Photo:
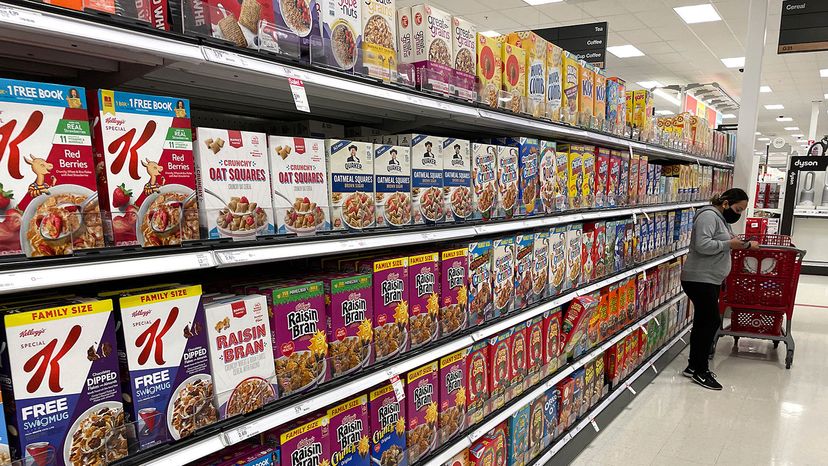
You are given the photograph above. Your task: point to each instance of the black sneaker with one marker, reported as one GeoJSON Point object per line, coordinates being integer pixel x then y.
{"type": "Point", "coordinates": [688, 372]}
{"type": "Point", "coordinates": [707, 380]}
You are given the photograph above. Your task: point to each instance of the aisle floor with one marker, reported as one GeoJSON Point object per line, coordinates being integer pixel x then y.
{"type": "Point", "coordinates": [764, 415]}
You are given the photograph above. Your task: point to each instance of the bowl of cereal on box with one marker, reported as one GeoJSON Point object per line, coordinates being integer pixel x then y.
{"type": "Point", "coordinates": [299, 371]}
{"type": "Point", "coordinates": [343, 44]}
{"type": "Point", "coordinates": [348, 355]}
{"type": "Point", "coordinates": [98, 436]}
{"type": "Point", "coordinates": [397, 209]}
{"type": "Point", "coordinates": [172, 209]}
{"type": "Point", "coordinates": [240, 218]}
{"type": "Point", "coordinates": [191, 407]}
{"type": "Point", "coordinates": [54, 223]}
{"type": "Point", "coordinates": [297, 15]}
{"type": "Point", "coordinates": [431, 204]}
{"type": "Point", "coordinates": [358, 210]}
{"type": "Point", "coordinates": [304, 217]}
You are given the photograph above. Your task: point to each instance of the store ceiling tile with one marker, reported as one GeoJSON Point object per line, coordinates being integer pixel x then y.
{"type": "Point", "coordinates": [640, 36]}
{"type": "Point", "coordinates": [653, 48]}
{"type": "Point", "coordinates": [493, 20]}
{"type": "Point", "coordinates": [529, 17]}
{"type": "Point", "coordinates": [565, 13]}
{"type": "Point", "coordinates": [625, 22]}
{"type": "Point", "coordinates": [603, 8]}
{"type": "Point", "coordinates": [670, 58]}
{"type": "Point", "coordinates": [499, 4]}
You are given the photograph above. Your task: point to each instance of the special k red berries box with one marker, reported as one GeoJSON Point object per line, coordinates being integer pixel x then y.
{"type": "Point", "coordinates": [47, 171]}
{"type": "Point", "coordinates": [145, 166]}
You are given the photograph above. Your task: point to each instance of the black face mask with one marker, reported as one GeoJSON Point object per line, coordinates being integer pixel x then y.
{"type": "Point", "coordinates": [730, 215]}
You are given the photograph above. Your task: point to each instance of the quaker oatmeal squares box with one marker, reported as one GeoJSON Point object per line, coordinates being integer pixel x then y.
{"type": "Point", "coordinates": [348, 432]}
{"type": "Point", "coordinates": [308, 444]}
{"type": "Point", "coordinates": [557, 261]}
{"type": "Point", "coordinates": [535, 48]}
{"type": "Point", "coordinates": [508, 180]}
{"type": "Point", "coordinates": [457, 179]}
{"type": "Point", "coordinates": [299, 183]}
{"type": "Point", "coordinates": [351, 181]}
{"type": "Point", "coordinates": [424, 297]}
{"type": "Point", "coordinates": [233, 183]}
{"type": "Point", "coordinates": [524, 249]}
{"type": "Point", "coordinates": [484, 181]}
{"type": "Point", "coordinates": [454, 291]}
{"type": "Point", "coordinates": [574, 235]}
{"type": "Point", "coordinates": [144, 150]}
{"type": "Point", "coordinates": [477, 382]}
{"type": "Point", "coordinates": [503, 275]}
{"type": "Point", "coordinates": [391, 308]}
{"type": "Point", "coordinates": [514, 78]}
{"type": "Point", "coordinates": [379, 39]}
{"type": "Point", "coordinates": [463, 39]}
{"type": "Point", "coordinates": [349, 299]}
{"type": "Point", "coordinates": [341, 39]}
{"type": "Point", "coordinates": [534, 351]}
{"type": "Point", "coordinates": [481, 305]}
{"type": "Point", "coordinates": [519, 353]}
{"type": "Point", "coordinates": [61, 372]}
{"type": "Point", "coordinates": [588, 186]}
{"type": "Point", "coordinates": [489, 69]}
{"type": "Point", "coordinates": [554, 85]}
{"type": "Point", "coordinates": [499, 361]}
{"type": "Point", "coordinates": [50, 162]}
{"type": "Point", "coordinates": [388, 421]}
{"type": "Point", "coordinates": [241, 354]}
{"type": "Point", "coordinates": [432, 48]}
{"type": "Point", "coordinates": [427, 178]}
{"type": "Point", "coordinates": [540, 267]}
{"type": "Point", "coordinates": [519, 437]}
{"type": "Point", "coordinates": [452, 381]}
{"type": "Point", "coordinates": [392, 178]}
{"type": "Point", "coordinates": [421, 405]}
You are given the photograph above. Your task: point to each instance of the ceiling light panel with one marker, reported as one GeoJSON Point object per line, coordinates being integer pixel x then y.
{"type": "Point", "coordinates": [765, 89]}
{"type": "Point", "coordinates": [625, 51]}
{"type": "Point", "coordinates": [728, 116]}
{"type": "Point", "coordinates": [824, 72]}
{"type": "Point", "coordinates": [490, 33]}
{"type": "Point", "coordinates": [735, 62]}
{"type": "Point", "coordinates": [693, 14]}
{"type": "Point", "coordinates": [649, 84]}
{"type": "Point", "coordinates": [792, 128]}
{"type": "Point", "coordinates": [541, 2]}
{"type": "Point", "coordinates": [775, 107]}
{"type": "Point", "coordinates": [763, 139]}
{"type": "Point", "coordinates": [784, 119]}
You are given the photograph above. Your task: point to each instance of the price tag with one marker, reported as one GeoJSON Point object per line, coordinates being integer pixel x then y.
{"type": "Point", "coordinates": [645, 215]}
{"type": "Point", "coordinates": [657, 322]}
{"type": "Point", "coordinates": [644, 329]}
{"type": "Point", "coordinates": [223, 57]}
{"type": "Point", "coordinates": [652, 366]}
{"type": "Point", "coordinates": [300, 97]}
{"type": "Point", "coordinates": [396, 383]}
{"type": "Point", "coordinates": [14, 15]}
{"type": "Point", "coordinates": [595, 425]}
{"type": "Point", "coordinates": [632, 390]}
{"type": "Point", "coordinates": [204, 259]}
{"type": "Point", "coordinates": [645, 274]}
{"type": "Point", "coordinates": [682, 340]}
{"type": "Point", "coordinates": [234, 436]}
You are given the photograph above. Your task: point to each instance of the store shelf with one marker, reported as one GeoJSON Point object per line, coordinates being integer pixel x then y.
{"type": "Point", "coordinates": [822, 212]}
{"type": "Point", "coordinates": [772, 211]}
{"type": "Point", "coordinates": [243, 81]}
{"type": "Point", "coordinates": [29, 275]}
{"type": "Point", "coordinates": [239, 429]}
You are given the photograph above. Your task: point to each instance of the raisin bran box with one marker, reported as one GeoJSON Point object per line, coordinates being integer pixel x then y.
{"type": "Point", "coordinates": [144, 150]}
{"type": "Point", "coordinates": [391, 308]}
{"type": "Point", "coordinates": [387, 417]}
{"type": "Point", "coordinates": [392, 185]}
{"type": "Point", "coordinates": [503, 276]}
{"type": "Point", "coordinates": [60, 370]}
{"type": "Point", "coordinates": [481, 304]}
{"type": "Point", "coordinates": [524, 258]}
{"type": "Point", "coordinates": [519, 436]}
{"type": "Point", "coordinates": [427, 179]}
{"type": "Point", "coordinates": [348, 433]}
{"type": "Point", "coordinates": [457, 179]}
{"type": "Point", "coordinates": [424, 297]}
{"type": "Point", "coordinates": [557, 260]}
{"type": "Point", "coordinates": [534, 351]}
{"type": "Point", "coordinates": [499, 363]}
{"type": "Point", "coordinates": [349, 299]}
{"type": "Point", "coordinates": [49, 162]}
{"type": "Point", "coordinates": [551, 340]}
{"type": "Point", "coordinates": [351, 183]}
{"type": "Point", "coordinates": [452, 380]}
{"type": "Point", "coordinates": [432, 48]}
{"type": "Point", "coordinates": [484, 181]}
{"type": "Point", "coordinates": [299, 179]}
{"type": "Point", "coordinates": [308, 444]}
{"type": "Point", "coordinates": [421, 405]}
{"type": "Point", "coordinates": [163, 348]}
{"type": "Point", "coordinates": [508, 180]}
{"type": "Point", "coordinates": [454, 291]}
{"type": "Point", "coordinates": [477, 382]}
{"type": "Point", "coordinates": [518, 368]}
{"type": "Point", "coordinates": [540, 267]}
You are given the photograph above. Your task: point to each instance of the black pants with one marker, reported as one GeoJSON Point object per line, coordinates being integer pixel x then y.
{"type": "Point", "coordinates": [706, 320]}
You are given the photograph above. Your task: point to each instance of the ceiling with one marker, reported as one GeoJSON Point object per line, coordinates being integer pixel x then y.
{"type": "Point", "coordinates": [675, 52]}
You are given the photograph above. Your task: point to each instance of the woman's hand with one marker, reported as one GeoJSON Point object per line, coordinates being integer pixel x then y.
{"type": "Point", "coordinates": [736, 243]}
{"type": "Point", "coordinates": [754, 245]}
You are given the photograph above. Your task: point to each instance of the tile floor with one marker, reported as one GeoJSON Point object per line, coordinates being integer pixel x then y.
{"type": "Point", "coordinates": [764, 415]}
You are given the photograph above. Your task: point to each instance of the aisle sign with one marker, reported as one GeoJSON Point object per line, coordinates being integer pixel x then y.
{"type": "Point", "coordinates": [587, 41]}
{"type": "Point", "coordinates": [802, 27]}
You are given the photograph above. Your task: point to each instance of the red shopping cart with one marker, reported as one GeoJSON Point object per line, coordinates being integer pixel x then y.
{"type": "Point", "coordinates": [760, 292]}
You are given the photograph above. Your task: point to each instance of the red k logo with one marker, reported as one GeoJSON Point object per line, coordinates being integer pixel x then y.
{"type": "Point", "coordinates": [6, 140]}
{"type": "Point", "coordinates": [123, 149]}
{"type": "Point", "coordinates": [152, 339]}
{"type": "Point", "coordinates": [47, 360]}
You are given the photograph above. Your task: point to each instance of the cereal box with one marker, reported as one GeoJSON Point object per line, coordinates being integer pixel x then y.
{"type": "Point", "coordinates": [427, 179]}
{"type": "Point", "coordinates": [351, 180]}
{"type": "Point", "coordinates": [341, 39]}
{"type": "Point", "coordinates": [639, 111]}
{"type": "Point", "coordinates": [5, 454]}
{"type": "Point", "coordinates": [50, 162]}
{"type": "Point", "coordinates": [587, 263]}
{"type": "Point", "coordinates": [524, 263]}
{"type": "Point", "coordinates": [518, 368]}
{"type": "Point", "coordinates": [503, 275]}
{"type": "Point", "coordinates": [519, 436]}
{"type": "Point", "coordinates": [599, 106]}
{"type": "Point", "coordinates": [535, 48]}
{"type": "Point", "coordinates": [432, 48]}
{"type": "Point", "coordinates": [557, 261]}
{"type": "Point", "coordinates": [241, 355]}
{"type": "Point", "coordinates": [421, 405]}
{"type": "Point", "coordinates": [575, 324]}
{"type": "Point", "coordinates": [392, 185]}
{"type": "Point", "coordinates": [484, 181]}
{"type": "Point", "coordinates": [614, 180]}
{"type": "Point", "coordinates": [298, 24]}
{"type": "Point", "coordinates": [575, 174]}
{"type": "Point", "coordinates": [144, 145]}
{"type": "Point", "coordinates": [588, 185]}
{"type": "Point", "coordinates": [349, 298]}
{"type": "Point", "coordinates": [308, 444]}
{"type": "Point", "coordinates": [550, 415]}
{"type": "Point", "coordinates": [233, 182]}
{"type": "Point", "coordinates": [463, 41]}
{"type": "Point", "coordinates": [405, 40]}
{"type": "Point", "coordinates": [391, 306]}
{"type": "Point", "coordinates": [565, 415]}
{"type": "Point", "coordinates": [514, 77]}
{"type": "Point", "coordinates": [460, 459]}
{"type": "Point", "coordinates": [424, 297]}
{"type": "Point", "coordinates": [570, 80]}
{"type": "Point", "coordinates": [599, 390]}
{"type": "Point", "coordinates": [599, 258]}
{"type": "Point", "coordinates": [379, 39]}
{"type": "Point", "coordinates": [297, 324]}
{"type": "Point", "coordinates": [589, 386]}
{"type": "Point", "coordinates": [643, 195]}
{"type": "Point", "coordinates": [577, 394]}
{"type": "Point", "coordinates": [536, 428]}
{"type": "Point", "coordinates": [573, 256]}
{"type": "Point", "coordinates": [482, 452]}
{"type": "Point", "coordinates": [540, 267]}
{"type": "Point", "coordinates": [348, 432]}
{"type": "Point", "coordinates": [628, 101]}
{"type": "Point", "coordinates": [387, 418]}
{"type": "Point", "coordinates": [171, 323]}
{"type": "Point", "coordinates": [477, 382]}
{"type": "Point", "coordinates": [546, 176]}
{"type": "Point", "coordinates": [528, 164]}
{"type": "Point", "coordinates": [489, 69]}
{"type": "Point", "coordinates": [613, 122]}
{"type": "Point", "coordinates": [534, 353]}
{"type": "Point", "coordinates": [299, 183]}
{"type": "Point", "coordinates": [602, 166]}
{"type": "Point", "coordinates": [238, 22]}
{"type": "Point", "coordinates": [499, 363]}
{"type": "Point", "coordinates": [457, 179]}
{"type": "Point", "coordinates": [624, 180]}
{"type": "Point", "coordinates": [586, 93]}
{"type": "Point", "coordinates": [452, 395]}
{"type": "Point", "coordinates": [632, 179]}
{"type": "Point", "coordinates": [481, 304]}
{"type": "Point", "coordinates": [554, 81]}
{"type": "Point", "coordinates": [454, 291]}
{"type": "Point", "coordinates": [500, 440]}
{"type": "Point", "coordinates": [508, 178]}
{"type": "Point", "coordinates": [60, 369]}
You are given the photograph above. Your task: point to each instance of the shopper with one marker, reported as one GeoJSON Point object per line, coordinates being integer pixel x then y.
{"type": "Point", "coordinates": [707, 266]}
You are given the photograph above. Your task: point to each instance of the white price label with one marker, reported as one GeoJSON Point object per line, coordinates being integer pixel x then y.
{"type": "Point", "coordinates": [632, 390]}
{"type": "Point", "coordinates": [595, 425]}
{"type": "Point", "coordinates": [644, 329]}
{"type": "Point", "coordinates": [301, 408]}
{"type": "Point", "coordinates": [656, 321]}
{"type": "Point", "coordinates": [396, 383]}
{"type": "Point", "coordinates": [300, 97]}
{"type": "Point", "coordinates": [652, 366]}
{"type": "Point", "coordinates": [14, 15]}
{"type": "Point", "coordinates": [682, 340]}
{"type": "Point", "coordinates": [204, 259]}
{"type": "Point", "coordinates": [238, 434]}
{"type": "Point", "coordinates": [223, 57]}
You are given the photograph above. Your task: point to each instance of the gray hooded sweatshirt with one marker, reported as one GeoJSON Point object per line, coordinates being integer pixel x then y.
{"type": "Point", "coordinates": [709, 258]}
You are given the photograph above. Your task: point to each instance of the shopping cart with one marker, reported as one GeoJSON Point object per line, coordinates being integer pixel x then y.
{"type": "Point", "coordinates": [760, 292]}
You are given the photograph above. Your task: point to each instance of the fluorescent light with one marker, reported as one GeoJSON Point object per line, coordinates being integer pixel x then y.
{"type": "Point", "coordinates": [798, 135]}
{"type": "Point", "coordinates": [825, 96]}
{"type": "Point", "coordinates": [784, 119]}
{"type": "Point", "coordinates": [775, 107]}
{"type": "Point", "coordinates": [792, 128]}
{"type": "Point", "coordinates": [763, 139]}
{"type": "Point", "coordinates": [664, 112]}
{"type": "Point", "coordinates": [727, 116]}
{"type": "Point", "coordinates": [765, 89]}
{"type": "Point", "coordinates": [704, 13]}
{"type": "Point", "coordinates": [735, 62]}
{"type": "Point", "coordinates": [758, 133]}
{"type": "Point", "coordinates": [667, 97]}
{"type": "Point", "coordinates": [824, 72]}
{"type": "Point", "coordinates": [649, 84]}
{"type": "Point", "coordinates": [625, 51]}
{"type": "Point", "coordinates": [541, 2]}
{"type": "Point", "coordinates": [490, 33]}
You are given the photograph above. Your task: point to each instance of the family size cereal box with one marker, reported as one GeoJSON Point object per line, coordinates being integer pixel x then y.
{"type": "Point", "coordinates": [514, 77]}
{"type": "Point", "coordinates": [145, 146]}
{"type": "Point", "coordinates": [477, 382]}
{"type": "Point", "coordinates": [463, 41]}
{"type": "Point", "coordinates": [588, 185]}
{"type": "Point", "coordinates": [341, 39]}
{"type": "Point", "coordinates": [557, 261]}
{"type": "Point", "coordinates": [392, 185]}
{"type": "Point", "coordinates": [298, 321]}
{"type": "Point", "coordinates": [233, 182]}
{"type": "Point", "coordinates": [524, 249]}
{"type": "Point", "coordinates": [519, 436]}
{"type": "Point", "coordinates": [421, 406]}
{"type": "Point", "coordinates": [503, 276]}
{"type": "Point", "coordinates": [554, 82]}
{"type": "Point", "coordinates": [424, 297]}
{"type": "Point", "coordinates": [574, 174]}
{"type": "Point", "coordinates": [351, 180]}
{"type": "Point", "coordinates": [586, 93]}
{"type": "Point", "coordinates": [61, 370]}
{"type": "Point", "coordinates": [427, 179]}
{"type": "Point", "coordinates": [534, 353]}
{"type": "Point", "coordinates": [241, 355]}
{"type": "Point", "coordinates": [484, 181]}
{"type": "Point", "coordinates": [573, 256]}
{"type": "Point", "coordinates": [457, 179]}
{"type": "Point", "coordinates": [570, 80]}
{"type": "Point", "coordinates": [550, 415]}
{"type": "Point", "coordinates": [379, 39]}
{"type": "Point", "coordinates": [432, 48]}
{"type": "Point", "coordinates": [546, 175]}
{"type": "Point", "coordinates": [50, 162]}
{"type": "Point", "coordinates": [299, 183]}
{"type": "Point", "coordinates": [452, 381]}
{"type": "Point", "coordinates": [528, 163]}
{"type": "Point", "coordinates": [391, 306]}
{"type": "Point", "coordinates": [454, 291]}
{"type": "Point", "coordinates": [536, 430]}
{"type": "Point", "coordinates": [602, 166]}
{"type": "Point", "coordinates": [489, 69]}
{"type": "Point", "coordinates": [307, 444]}
{"type": "Point", "coordinates": [614, 180]}
{"type": "Point", "coordinates": [348, 433]}
{"type": "Point", "coordinates": [387, 418]}
{"type": "Point", "coordinates": [499, 364]}
{"type": "Point", "coordinates": [518, 368]}
{"type": "Point", "coordinates": [350, 312]}
{"type": "Point", "coordinates": [163, 346]}
{"type": "Point", "coordinates": [599, 106]}
{"type": "Point", "coordinates": [535, 48]}
{"type": "Point", "coordinates": [540, 267]}
{"type": "Point", "coordinates": [481, 304]}
{"type": "Point", "coordinates": [508, 180]}
{"type": "Point", "coordinates": [500, 440]}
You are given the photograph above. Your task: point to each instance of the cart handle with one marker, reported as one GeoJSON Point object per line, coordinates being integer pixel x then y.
{"type": "Point", "coordinates": [801, 252]}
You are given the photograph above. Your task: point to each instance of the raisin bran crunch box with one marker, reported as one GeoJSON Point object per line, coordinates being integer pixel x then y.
{"type": "Point", "coordinates": [388, 422]}
{"type": "Point", "coordinates": [421, 406]}
{"type": "Point", "coordinates": [348, 433]}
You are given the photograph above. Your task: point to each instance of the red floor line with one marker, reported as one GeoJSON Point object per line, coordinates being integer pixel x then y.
{"type": "Point", "coordinates": [811, 305]}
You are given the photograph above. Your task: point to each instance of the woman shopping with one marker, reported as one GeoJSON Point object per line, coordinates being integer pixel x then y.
{"type": "Point", "coordinates": [704, 271]}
